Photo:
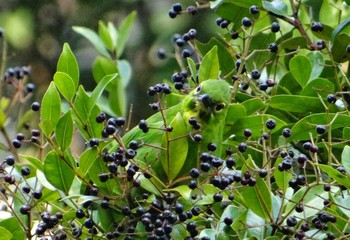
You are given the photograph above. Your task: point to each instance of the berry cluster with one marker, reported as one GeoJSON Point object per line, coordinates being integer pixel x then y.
{"type": "Point", "coordinates": [177, 9]}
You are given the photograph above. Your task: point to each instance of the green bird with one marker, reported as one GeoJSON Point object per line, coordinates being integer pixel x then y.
{"type": "Point", "coordinates": [169, 154]}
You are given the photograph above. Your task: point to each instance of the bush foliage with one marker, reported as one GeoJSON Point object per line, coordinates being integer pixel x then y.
{"type": "Point", "coordinates": [277, 166]}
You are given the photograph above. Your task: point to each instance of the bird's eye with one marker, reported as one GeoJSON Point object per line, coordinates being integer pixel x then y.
{"type": "Point", "coordinates": [219, 107]}
{"type": "Point", "coordinates": [198, 89]}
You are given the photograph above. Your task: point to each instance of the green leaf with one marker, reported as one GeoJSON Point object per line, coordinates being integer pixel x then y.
{"type": "Point", "coordinates": [307, 125]}
{"type": "Point", "coordinates": [311, 197]}
{"type": "Point", "coordinates": [124, 31]}
{"type": "Point", "coordinates": [296, 103]}
{"type": "Point", "coordinates": [340, 28]}
{"type": "Point", "coordinates": [288, 85]}
{"type": "Point", "coordinates": [293, 43]}
{"type": "Point", "coordinates": [338, 48]}
{"type": "Point", "coordinates": [93, 38]}
{"type": "Point", "coordinates": [103, 66]}
{"type": "Point", "coordinates": [209, 68]}
{"type": "Point", "coordinates": [300, 67]}
{"type": "Point", "coordinates": [209, 234]}
{"type": "Point", "coordinates": [58, 172]}
{"type": "Point", "coordinates": [87, 159]}
{"type": "Point", "coordinates": [5, 234]}
{"type": "Point", "coordinates": [13, 226]}
{"type": "Point", "coordinates": [253, 105]}
{"type": "Point", "coordinates": [68, 64]}
{"type": "Point", "coordinates": [262, 205]}
{"type": "Point", "coordinates": [50, 110]}
{"type": "Point", "coordinates": [336, 175]}
{"type": "Point", "coordinates": [118, 102]}
{"type": "Point", "coordinates": [65, 85]}
{"type": "Point", "coordinates": [317, 63]}
{"type": "Point", "coordinates": [282, 177]}
{"type": "Point", "coordinates": [99, 166]}
{"type": "Point", "coordinates": [34, 161]}
{"type": "Point", "coordinates": [184, 190]}
{"type": "Point", "coordinates": [277, 7]}
{"type": "Point", "coordinates": [345, 158]}
{"type": "Point", "coordinates": [317, 86]}
{"type": "Point", "coordinates": [226, 60]}
{"type": "Point", "coordinates": [105, 36]}
{"type": "Point", "coordinates": [98, 90]}
{"type": "Point", "coordinates": [235, 112]}
{"type": "Point", "coordinates": [174, 157]}
{"type": "Point", "coordinates": [113, 32]}
{"type": "Point", "coordinates": [64, 130]}
{"type": "Point", "coordinates": [260, 41]}
{"type": "Point", "coordinates": [192, 66]}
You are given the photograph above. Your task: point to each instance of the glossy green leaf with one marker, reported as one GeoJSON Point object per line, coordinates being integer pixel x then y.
{"type": "Point", "coordinates": [338, 48]}
{"type": "Point", "coordinates": [93, 38]}
{"type": "Point", "coordinates": [87, 159]}
{"type": "Point", "coordinates": [296, 103]}
{"type": "Point", "coordinates": [260, 41]}
{"type": "Point", "coordinates": [340, 28]}
{"type": "Point", "coordinates": [99, 166]}
{"type": "Point", "coordinates": [68, 64]}
{"type": "Point", "coordinates": [113, 33]}
{"type": "Point", "coordinates": [58, 172]}
{"type": "Point", "coordinates": [209, 68]}
{"type": "Point", "coordinates": [325, 33]}
{"type": "Point", "coordinates": [262, 206]}
{"type": "Point", "coordinates": [64, 131]}
{"type": "Point", "coordinates": [252, 219]}
{"type": "Point", "coordinates": [183, 190]}
{"type": "Point", "coordinates": [277, 7]}
{"type": "Point", "coordinates": [105, 36]}
{"type": "Point", "coordinates": [209, 234]}
{"type": "Point", "coordinates": [94, 127]}
{"type": "Point", "coordinates": [318, 86]}
{"type": "Point", "coordinates": [124, 32]}
{"type": "Point", "coordinates": [335, 174]}
{"type": "Point", "coordinates": [50, 110]}
{"type": "Point", "coordinates": [192, 66]}
{"type": "Point", "coordinates": [34, 161]}
{"type": "Point", "coordinates": [253, 105]}
{"type": "Point", "coordinates": [342, 200]}
{"type": "Point", "coordinates": [302, 129]}
{"type": "Point", "coordinates": [317, 63]}
{"type": "Point", "coordinates": [226, 60]}
{"type": "Point", "coordinates": [173, 160]}
{"type": "Point", "coordinates": [282, 177]}
{"type": "Point", "coordinates": [235, 112]}
{"type": "Point", "coordinates": [12, 225]}
{"type": "Point", "coordinates": [5, 234]}
{"type": "Point", "coordinates": [65, 85]}
{"type": "Point", "coordinates": [81, 104]}
{"type": "Point", "coordinates": [311, 197]}
{"type": "Point", "coordinates": [102, 67]}
{"type": "Point", "coordinates": [288, 85]}
{"type": "Point", "coordinates": [231, 211]}
{"type": "Point", "coordinates": [293, 43]}
{"type": "Point", "coordinates": [98, 90]}
{"type": "Point", "coordinates": [345, 158]}
{"type": "Point", "coordinates": [346, 132]}
{"type": "Point", "coordinates": [118, 102]}
{"type": "Point", "coordinates": [300, 67]}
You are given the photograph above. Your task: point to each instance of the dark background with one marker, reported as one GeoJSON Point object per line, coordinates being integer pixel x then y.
{"type": "Point", "coordinates": [36, 30]}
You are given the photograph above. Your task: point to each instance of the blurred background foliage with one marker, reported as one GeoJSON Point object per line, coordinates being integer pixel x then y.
{"type": "Point", "coordinates": [36, 30]}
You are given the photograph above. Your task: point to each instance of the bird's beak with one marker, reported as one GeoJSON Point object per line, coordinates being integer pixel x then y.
{"type": "Point", "coordinates": [207, 102]}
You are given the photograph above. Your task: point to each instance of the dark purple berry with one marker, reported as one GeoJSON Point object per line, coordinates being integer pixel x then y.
{"type": "Point", "coordinates": [275, 27]}
{"type": "Point", "coordinates": [270, 124]}
{"type": "Point", "coordinates": [320, 129]}
{"type": "Point", "coordinates": [254, 9]}
{"type": "Point", "coordinates": [246, 22]}
{"type": "Point", "coordinates": [286, 132]}
{"type": "Point", "coordinates": [35, 106]}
